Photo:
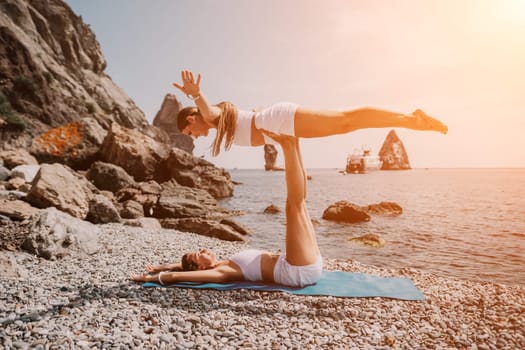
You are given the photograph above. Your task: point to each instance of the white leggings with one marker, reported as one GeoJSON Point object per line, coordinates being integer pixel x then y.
{"type": "Point", "coordinates": [297, 276]}
{"type": "Point", "coordinates": [278, 118]}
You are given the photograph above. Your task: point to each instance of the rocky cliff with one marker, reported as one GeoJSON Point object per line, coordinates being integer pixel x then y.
{"type": "Point", "coordinates": [71, 139]}
{"type": "Point", "coordinates": [393, 154]}
{"type": "Point", "coordinates": [52, 72]}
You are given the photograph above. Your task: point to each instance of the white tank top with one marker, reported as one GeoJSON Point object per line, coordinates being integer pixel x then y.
{"type": "Point", "coordinates": [243, 130]}
{"type": "Point", "coordinates": [250, 263]}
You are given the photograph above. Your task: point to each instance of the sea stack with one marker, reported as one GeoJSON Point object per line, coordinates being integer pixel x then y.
{"type": "Point", "coordinates": [393, 154]}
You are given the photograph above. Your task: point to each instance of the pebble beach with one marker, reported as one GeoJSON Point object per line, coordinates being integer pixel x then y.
{"type": "Point", "coordinates": [87, 302]}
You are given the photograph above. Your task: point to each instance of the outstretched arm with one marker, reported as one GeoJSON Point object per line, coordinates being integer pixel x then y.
{"type": "Point", "coordinates": [192, 89]}
{"type": "Point", "coordinates": [163, 267]}
{"type": "Point", "coordinates": [220, 274]}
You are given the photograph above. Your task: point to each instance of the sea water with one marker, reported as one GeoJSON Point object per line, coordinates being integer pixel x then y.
{"type": "Point", "coordinates": [467, 223]}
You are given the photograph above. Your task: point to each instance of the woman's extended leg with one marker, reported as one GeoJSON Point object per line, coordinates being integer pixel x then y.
{"type": "Point", "coordinates": [301, 243]}
{"type": "Point", "coordinates": [317, 123]}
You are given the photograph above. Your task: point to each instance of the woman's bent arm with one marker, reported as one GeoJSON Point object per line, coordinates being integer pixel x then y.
{"type": "Point", "coordinates": [192, 89]}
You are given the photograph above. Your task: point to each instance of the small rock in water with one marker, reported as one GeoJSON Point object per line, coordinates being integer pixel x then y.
{"type": "Point", "coordinates": [370, 239]}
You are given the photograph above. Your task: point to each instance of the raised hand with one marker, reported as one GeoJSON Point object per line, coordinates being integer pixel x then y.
{"type": "Point", "coordinates": [189, 86]}
{"type": "Point", "coordinates": [153, 268]}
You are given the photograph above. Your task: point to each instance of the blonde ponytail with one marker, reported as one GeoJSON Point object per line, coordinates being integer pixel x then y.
{"type": "Point", "coordinates": [225, 127]}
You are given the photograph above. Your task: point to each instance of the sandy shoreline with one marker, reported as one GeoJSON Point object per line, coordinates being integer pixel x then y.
{"type": "Point", "coordinates": [88, 302]}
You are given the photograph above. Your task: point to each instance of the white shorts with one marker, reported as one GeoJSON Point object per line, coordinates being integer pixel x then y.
{"type": "Point", "coordinates": [278, 118]}
{"type": "Point", "coordinates": [297, 276]}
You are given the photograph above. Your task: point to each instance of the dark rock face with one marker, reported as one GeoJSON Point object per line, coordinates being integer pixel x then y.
{"type": "Point", "coordinates": [166, 119]}
{"type": "Point", "coordinates": [75, 144]}
{"type": "Point", "coordinates": [199, 173]}
{"type": "Point", "coordinates": [393, 154]}
{"type": "Point", "coordinates": [344, 211]}
{"type": "Point", "coordinates": [52, 69]}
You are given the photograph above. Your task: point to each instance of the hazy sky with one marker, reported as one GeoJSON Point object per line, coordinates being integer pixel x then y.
{"type": "Point", "coordinates": [461, 61]}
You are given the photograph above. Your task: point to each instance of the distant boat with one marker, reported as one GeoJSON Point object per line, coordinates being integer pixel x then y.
{"type": "Point", "coordinates": [362, 161]}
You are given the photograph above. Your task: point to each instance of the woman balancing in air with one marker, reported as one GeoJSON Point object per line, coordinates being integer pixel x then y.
{"type": "Point", "coordinates": [244, 128]}
{"type": "Point", "coordinates": [300, 266]}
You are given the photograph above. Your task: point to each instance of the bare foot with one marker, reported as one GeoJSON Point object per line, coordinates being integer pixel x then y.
{"type": "Point", "coordinates": [425, 122]}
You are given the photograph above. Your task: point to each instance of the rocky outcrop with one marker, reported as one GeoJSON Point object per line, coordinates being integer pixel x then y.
{"type": "Point", "coordinates": [270, 157]}
{"type": "Point", "coordinates": [52, 70]}
{"type": "Point", "coordinates": [344, 211]}
{"type": "Point", "coordinates": [199, 173]}
{"type": "Point", "coordinates": [75, 144]}
{"type": "Point", "coordinates": [393, 154]}
{"type": "Point", "coordinates": [57, 102]}
{"type": "Point", "coordinates": [166, 119]}
{"type": "Point", "coordinates": [55, 234]}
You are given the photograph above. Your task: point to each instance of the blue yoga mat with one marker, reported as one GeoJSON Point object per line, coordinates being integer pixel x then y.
{"type": "Point", "coordinates": [334, 283]}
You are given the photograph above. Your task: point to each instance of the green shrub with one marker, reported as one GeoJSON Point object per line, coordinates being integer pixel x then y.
{"type": "Point", "coordinates": [49, 77]}
{"type": "Point", "coordinates": [90, 107]}
{"type": "Point", "coordinates": [24, 84]}
{"type": "Point", "coordinates": [12, 118]}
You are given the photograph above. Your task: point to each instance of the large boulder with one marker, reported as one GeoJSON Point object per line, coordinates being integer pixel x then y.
{"type": "Point", "coordinates": [55, 234]}
{"type": "Point", "coordinates": [55, 185]}
{"type": "Point", "coordinates": [344, 211]}
{"type": "Point", "coordinates": [75, 144]}
{"type": "Point", "coordinates": [178, 201]}
{"type": "Point", "coordinates": [199, 173]}
{"type": "Point", "coordinates": [139, 155]}
{"type": "Point", "coordinates": [393, 154]}
{"type": "Point", "coordinates": [204, 227]}
{"type": "Point", "coordinates": [109, 177]}
{"type": "Point", "coordinates": [166, 119]}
